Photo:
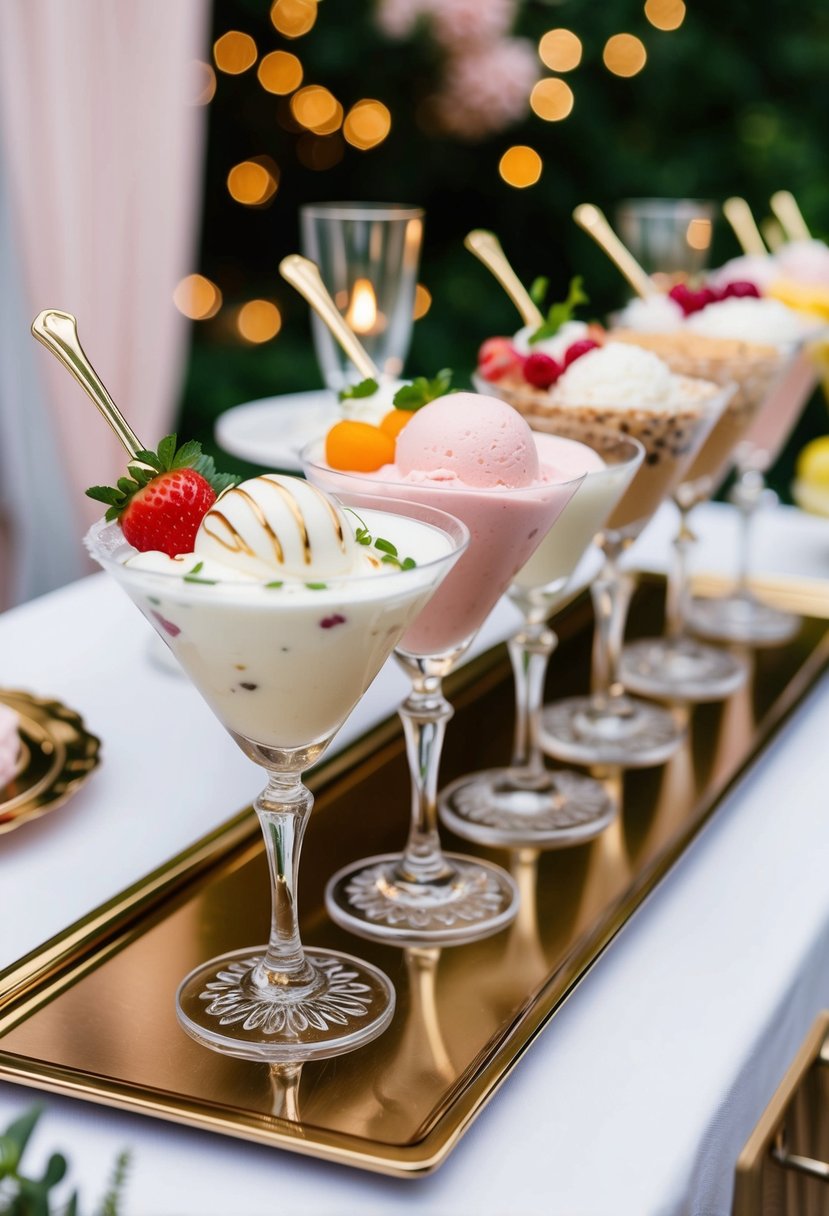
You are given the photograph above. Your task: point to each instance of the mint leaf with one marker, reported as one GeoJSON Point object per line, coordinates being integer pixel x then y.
{"type": "Point", "coordinates": [421, 391]}
{"type": "Point", "coordinates": [385, 546]}
{"type": "Point", "coordinates": [316, 586]}
{"type": "Point", "coordinates": [366, 388]}
{"type": "Point", "coordinates": [559, 314]}
{"type": "Point", "coordinates": [538, 290]}
{"type": "Point", "coordinates": [275, 583]}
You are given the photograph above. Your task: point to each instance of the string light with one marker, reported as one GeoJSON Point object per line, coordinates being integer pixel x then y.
{"type": "Point", "coordinates": [234, 52]}
{"type": "Point", "coordinates": [422, 301]}
{"type": "Point", "coordinates": [520, 166]}
{"type": "Point", "coordinates": [367, 125]}
{"type": "Point", "coordinates": [253, 182]}
{"type": "Point", "coordinates": [560, 50]}
{"type": "Point", "coordinates": [197, 297]}
{"type": "Point", "coordinates": [258, 321]}
{"type": "Point", "coordinates": [293, 18]}
{"type": "Point", "coordinates": [551, 99]}
{"type": "Point", "coordinates": [624, 55]}
{"type": "Point", "coordinates": [665, 14]}
{"type": "Point", "coordinates": [698, 234]}
{"type": "Point", "coordinates": [280, 72]}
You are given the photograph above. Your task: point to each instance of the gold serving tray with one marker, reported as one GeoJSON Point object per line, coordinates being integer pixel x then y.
{"type": "Point", "coordinates": [91, 1014]}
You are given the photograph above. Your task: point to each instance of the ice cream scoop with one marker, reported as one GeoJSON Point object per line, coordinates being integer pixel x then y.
{"type": "Point", "coordinates": [761, 321]}
{"type": "Point", "coordinates": [274, 526]}
{"type": "Point", "coordinates": [469, 438]}
{"type": "Point", "coordinates": [617, 374]}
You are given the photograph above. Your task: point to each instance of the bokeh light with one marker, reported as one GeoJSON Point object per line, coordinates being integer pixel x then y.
{"type": "Point", "coordinates": [560, 50]}
{"type": "Point", "coordinates": [197, 297]}
{"type": "Point", "coordinates": [367, 124]}
{"type": "Point", "coordinates": [201, 83]}
{"type": "Point", "coordinates": [665, 14]}
{"type": "Point", "coordinates": [520, 166]}
{"type": "Point", "coordinates": [422, 301]}
{"type": "Point", "coordinates": [698, 234]}
{"type": "Point", "coordinates": [234, 52]}
{"type": "Point", "coordinates": [280, 72]}
{"type": "Point", "coordinates": [293, 18]}
{"type": "Point", "coordinates": [319, 152]}
{"type": "Point", "coordinates": [259, 321]}
{"type": "Point", "coordinates": [253, 182]}
{"type": "Point", "coordinates": [551, 99]}
{"type": "Point", "coordinates": [317, 109]}
{"type": "Point", "coordinates": [624, 55]}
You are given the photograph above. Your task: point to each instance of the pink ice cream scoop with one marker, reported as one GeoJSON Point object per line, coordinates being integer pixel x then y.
{"type": "Point", "coordinates": [468, 438]}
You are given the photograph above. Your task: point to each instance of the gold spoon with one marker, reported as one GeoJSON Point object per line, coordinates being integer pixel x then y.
{"type": "Point", "coordinates": [784, 205]}
{"type": "Point", "coordinates": [738, 214]}
{"type": "Point", "coordinates": [773, 234]}
{"type": "Point", "coordinates": [303, 274]}
{"type": "Point", "coordinates": [58, 331]}
{"type": "Point", "coordinates": [487, 249]}
{"type": "Point", "coordinates": [591, 219]}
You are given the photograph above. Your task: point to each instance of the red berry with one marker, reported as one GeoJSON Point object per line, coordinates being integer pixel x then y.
{"type": "Point", "coordinates": [691, 301]}
{"type": "Point", "coordinates": [741, 289]}
{"type": "Point", "coordinates": [497, 358]}
{"type": "Point", "coordinates": [578, 349]}
{"type": "Point", "coordinates": [541, 370]}
{"type": "Point", "coordinates": [166, 513]}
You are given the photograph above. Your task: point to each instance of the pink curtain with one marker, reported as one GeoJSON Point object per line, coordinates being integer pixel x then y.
{"type": "Point", "coordinates": [101, 152]}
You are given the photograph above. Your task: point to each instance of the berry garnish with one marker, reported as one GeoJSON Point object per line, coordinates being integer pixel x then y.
{"type": "Point", "coordinates": [740, 289]}
{"type": "Point", "coordinates": [366, 388]}
{"type": "Point", "coordinates": [422, 390]}
{"type": "Point", "coordinates": [166, 496]}
{"type": "Point", "coordinates": [691, 301]}
{"type": "Point", "coordinates": [559, 314]}
{"type": "Point", "coordinates": [358, 447]}
{"type": "Point", "coordinates": [541, 370]}
{"type": "Point", "coordinates": [498, 358]}
{"type": "Point", "coordinates": [577, 349]}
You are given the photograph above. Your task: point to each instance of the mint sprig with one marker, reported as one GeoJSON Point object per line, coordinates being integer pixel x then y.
{"type": "Point", "coordinates": [366, 388]}
{"type": "Point", "coordinates": [421, 391]}
{"type": "Point", "coordinates": [390, 557]}
{"type": "Point", "coordinates": [539, 289]}
{"type": "Point", "coordinates": [150, 465]}
{"type": "Point", "coordinates": [559, 314]}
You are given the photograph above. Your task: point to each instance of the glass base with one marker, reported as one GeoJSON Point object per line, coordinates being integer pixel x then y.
{"type": "Point", "coordinates": [681, 669]}
{"type": "Point", "coordinates": [494, 808]}
{"type": "Point", "coordinates": [626, 733]}
{"type": "Point", "coordinates": [346, 1004]}
{"type": "Point", "coordinates": [742, 618]}
{"type": "Point", "coordinates": [475, 900]}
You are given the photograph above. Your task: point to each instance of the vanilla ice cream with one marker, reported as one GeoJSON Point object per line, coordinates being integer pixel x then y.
{"type": "Point", "coordinates": [764, 321]}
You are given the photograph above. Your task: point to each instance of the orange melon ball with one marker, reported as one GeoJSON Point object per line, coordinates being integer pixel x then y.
{"type": "Point", "coordinates": [358, 447]}
{"type": "Point", "coordinates": [394, 422]}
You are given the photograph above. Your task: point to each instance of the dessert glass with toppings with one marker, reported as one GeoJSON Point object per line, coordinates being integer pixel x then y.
{"type": "Point", "coordinates": [528, 805]}
{"type": "Point", "coordinates": [282, 596]}
{"type": "Point", "coordinates": [632, 392]}
{"type": "Point", "coordinates": [476, 458]}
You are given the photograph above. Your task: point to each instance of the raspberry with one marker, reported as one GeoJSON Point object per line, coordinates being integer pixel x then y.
{"type": "Point", "coordinates": [741, 289]}
{"type": "Point", "coordinates": [691, 301]}
{"type": "Point", "coordinates": [497, 357]}
{"type": "Point", "coordinates": [578, 349]}
{"type": "Point", "coordinates": [541, 370]}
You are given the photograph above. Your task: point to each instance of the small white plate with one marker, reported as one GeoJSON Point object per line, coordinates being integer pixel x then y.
{"type": "Point", "coordinates": [274, 430]}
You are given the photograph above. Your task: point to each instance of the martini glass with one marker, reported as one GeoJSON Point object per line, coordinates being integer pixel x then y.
{"type": "Point", "coordinates": [282, 666]}
{"type": "Point", "coordinates": [527, 805]}
{"type": "Point", "coordinates": [423, 895]}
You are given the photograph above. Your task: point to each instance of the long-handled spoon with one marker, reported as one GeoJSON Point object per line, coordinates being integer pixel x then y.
{"type": "Point", "coordinates": [738, 213]}
{"type": "Point", "coordinates": [487, 249]}
{"type": "Point", "coordinates": [773, 234]}
{"type": "Point", "coordinates": [784, 205]}
{"type": "Point", "coordinates": [58, 331]}
{"type": "Point", "coordinates": [304, 275]}
{"type": "Point", "coordinates": [592, 220]}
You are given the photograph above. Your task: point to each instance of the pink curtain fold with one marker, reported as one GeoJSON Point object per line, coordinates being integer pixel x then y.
{"type": "Point", "coordinates": [102, 153]}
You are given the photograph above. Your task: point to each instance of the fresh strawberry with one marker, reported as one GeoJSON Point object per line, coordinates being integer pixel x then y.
{"type": "Point", "coordinates": [541, 370]}
{"type": "Point", "coordinates": [497, 358]}
{"type": "Point", "coordinates": [166, 496]}
{"type": "Point", "coordinates": [577, 349]}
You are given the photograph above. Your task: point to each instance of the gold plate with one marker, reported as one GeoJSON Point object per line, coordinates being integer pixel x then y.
{"type": "Point", "coordinates": [57, 754]}
{"type": "Point", "coordinates": [91, 1014]}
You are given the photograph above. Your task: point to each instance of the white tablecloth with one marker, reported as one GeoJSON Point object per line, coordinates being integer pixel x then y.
{"type": "Point", "coordinates": [639, 1095]}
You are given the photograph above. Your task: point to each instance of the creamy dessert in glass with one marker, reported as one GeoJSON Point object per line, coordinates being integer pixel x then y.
{"type": "Point", "coordinates": [475, 457]}
{"type": "Point", "coordinates": [281, 613]}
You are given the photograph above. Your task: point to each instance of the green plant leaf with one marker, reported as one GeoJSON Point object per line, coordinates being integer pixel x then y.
{"type": "Point", "coordinates": [421, 391]}
{"type": "Point", "coordinates": [166, 452]}
{"type": "Point", "coordinates": [559, 314]}
{"type": "Point", "coordinates": [366, 388]}
{"type": "Point", "coordinates": [21, 1129]}
{"type": "Point", "coordinates": [539, 289]}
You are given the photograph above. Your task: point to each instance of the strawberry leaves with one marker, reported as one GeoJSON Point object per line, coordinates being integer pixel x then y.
{"type": "Point", "coordinates": [149, 465]}
{"type": "Point", "coordinates": [558, 314]}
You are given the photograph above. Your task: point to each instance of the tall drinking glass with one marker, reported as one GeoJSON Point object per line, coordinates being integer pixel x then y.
{"type": "Point", "coordinates": [368, 256]}
{"type": "Point", "coordinates": [668, 235]}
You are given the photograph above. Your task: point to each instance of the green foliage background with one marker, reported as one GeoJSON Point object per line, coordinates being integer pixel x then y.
{"type": "Point", "coordinates": [734, 102]}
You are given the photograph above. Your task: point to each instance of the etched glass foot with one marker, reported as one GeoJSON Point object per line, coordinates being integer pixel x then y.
{"type": "Point", "coordinates": [680, 669]}
{"type": "Point", "coordinates": [620, 731]}
{"type": "Point", "coordinates": [469, 899]}
{"type": "Point", "coordinates": [742, 618]}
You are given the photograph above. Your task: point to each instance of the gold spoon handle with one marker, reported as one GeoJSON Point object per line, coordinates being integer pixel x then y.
{"type": "Point", "coordinates": [773, 234]}
{"type": "Point", "coordinates": [591, 219]}
{"type": "Point", "coordinates": [487, 249]}
{"type": "Point", "coordinates": [784, 205]}
{"type": "Point", "coordinates": [58, 331]}
{"type": "Point", "coordinates": [302, 274]}
{"type": "Point", "coordinates": [738, 214]}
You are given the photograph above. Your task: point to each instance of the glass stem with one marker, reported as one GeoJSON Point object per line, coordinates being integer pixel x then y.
{"type": "Point", "coordinates": [676, 608]}
{"type": "Point", "coordinates": [611, 593]}
{"type": "Point", "coordinates": [746, 496]}
{"type": "Point", "coordinates": [529, 652]}
{"type": "Point", "coordinates": [424, 714]}
{"type": "Point", "coordinates": [283, 809]}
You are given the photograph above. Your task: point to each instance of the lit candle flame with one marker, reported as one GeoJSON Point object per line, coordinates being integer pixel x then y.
{"type": "Point", "coordinates": [362, 311]}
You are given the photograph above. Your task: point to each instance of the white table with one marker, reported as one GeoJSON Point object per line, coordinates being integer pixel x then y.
{"type": "Point", "coordinates": [639, 1095]}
